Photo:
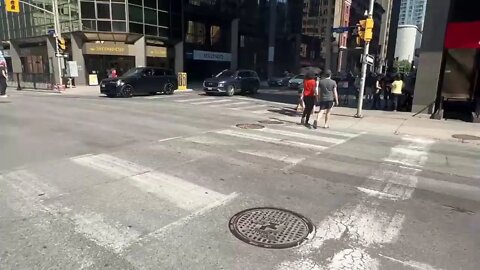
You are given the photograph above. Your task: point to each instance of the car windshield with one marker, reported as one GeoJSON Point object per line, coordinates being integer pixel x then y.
{"type": "Point", "coordinates": [299, 77]}
{"type": "Point", "coordinates": [225, 74]}
{"type": "Point", "coordinates": [131, 72]}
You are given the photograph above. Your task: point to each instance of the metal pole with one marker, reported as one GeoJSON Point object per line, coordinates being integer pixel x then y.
{"type": "Point", "coordinates": [58, 34]}
{"type": "Point", "coordinates": [366, 50]}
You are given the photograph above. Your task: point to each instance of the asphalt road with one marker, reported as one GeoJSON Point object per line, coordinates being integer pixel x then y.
{"type": "Point", "coordinates": [152, 182]}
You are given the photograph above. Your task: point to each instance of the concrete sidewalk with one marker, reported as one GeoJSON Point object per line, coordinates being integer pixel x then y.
{"type": "Point", "coordinates": [399, 123]}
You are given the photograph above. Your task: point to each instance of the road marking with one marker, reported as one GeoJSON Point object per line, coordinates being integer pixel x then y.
{"type": "Point", "coordinates": [302, 135]}
{"type": "Point", "coordinates": [250, 107]}
{"type": "Point", "coordinates": [412, 264]}
{"type": "Point", "coordinates": [399, 183]}
{"type": "Point", "coordinates": [363, 224]}
{"type": "Point", "coordinates": [195, 99]}
{"type": "Point", "coordinates": [89, 224]}
{"type": "Point", "coordinates": [211, 102]}
{"type": "Point", "coordinates": [170, 139]}
{"type": "Point", "coordinates": [181, 222]}
{"type": "Point", "coordinates": [183, 194]}
{"type": "Point", "coordinates": [228, 104]}
{"type": "Point", "coordinates": [279, 156]}
{"type": "Point", "coordinates": [302, 264]}
{"type": "Point", "coordinates": [353, 259]}
{"type": "Point", "coordinates": [326, 131]}
{"type": "Point", "coordinates": [272, 140]}
{"type": "Point", "coordinates": [93, 226]}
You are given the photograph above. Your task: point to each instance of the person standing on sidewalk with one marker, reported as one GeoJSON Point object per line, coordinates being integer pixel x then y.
{"type": "Point", "coordinates": [377, 92]}
{"type": "Point", "coordinates": [327, 97]}
{"type": "Point", "coordinates": [397, 87]}
{"type": "Point", "coordinates": [308, 96]}
{"type": "Point", "coordinates": [3, 80]}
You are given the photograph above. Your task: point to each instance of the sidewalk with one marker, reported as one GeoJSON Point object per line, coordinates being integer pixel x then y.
{"type": "Point", "coordinates": [399, 123]}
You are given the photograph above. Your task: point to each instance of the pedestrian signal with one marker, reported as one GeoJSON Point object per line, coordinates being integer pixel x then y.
{"type": "Point", "coordinates": [12, 5]}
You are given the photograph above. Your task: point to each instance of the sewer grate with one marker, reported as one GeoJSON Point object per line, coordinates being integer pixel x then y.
{"type": "Point", "coordinates": [466, 137]}
{"type": "Point", "coordinates": [271, 227]}
{"type": "Point", "coordinates": [271, 122]}
{"type": "Point", "coordinates": [250, 126]}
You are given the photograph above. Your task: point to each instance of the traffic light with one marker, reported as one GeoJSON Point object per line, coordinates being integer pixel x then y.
{"type": "Point", "coordinates": [62, 46]}
{"type": "Point", "coordinates": [12, 5]}
{"type": "Point", "coordinates": [361, 31]}
{"type": "Point", "coordinates": [369, 23]}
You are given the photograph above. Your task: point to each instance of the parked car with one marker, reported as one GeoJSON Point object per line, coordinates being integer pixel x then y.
{"type": "Point", "coordinates": [144, 80]}
{"type": "Point", "coordinates": [231, 82]}
{"type": "Point", "coordinates": [296, 82]}
{"type": "Point", "coordinates": [279, 81]}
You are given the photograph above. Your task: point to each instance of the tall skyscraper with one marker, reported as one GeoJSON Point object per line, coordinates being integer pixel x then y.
{"type": "Point", "coordinates": [412, 12]}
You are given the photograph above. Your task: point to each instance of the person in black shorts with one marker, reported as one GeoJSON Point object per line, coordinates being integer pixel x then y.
{"type": "Point", "coordinates": [327, 97]}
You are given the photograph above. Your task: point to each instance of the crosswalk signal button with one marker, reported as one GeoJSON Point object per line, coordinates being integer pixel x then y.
{"type": "Point", "coordinates": [12, 5]}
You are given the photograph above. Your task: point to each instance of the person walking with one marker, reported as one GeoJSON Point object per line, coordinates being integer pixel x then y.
{"type": "Point", "coordinates": [3, 80]}
{"type": "Point", "coordinates": [397, 87]}
{"type": "Point", "coordinates": [308, 97]}
{"type": "Point", "coordinates": [327, 97]}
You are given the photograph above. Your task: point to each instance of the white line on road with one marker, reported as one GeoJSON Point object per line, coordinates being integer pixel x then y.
{"type": "Point", "coordinates": [250, 108]}
{"type": "Point", "coordinates": [212, 102]}
{"type": "Point", "coordinates": [273, 155]}
{"type": "Point", "coordinates": [412, 264]}
{"type": "Point", "coordinates": [228, 104]}
{"type": "Point", "coordinates": [315, 137]}
{"type": "Point", "coordinates": [182, 193]}
{"type": "Point", "coordinates": [327, 131]}
{"type": "Point", "coordinates": [195, 99]}
{"type": "Point", "coordinates": [170, 139]}
{"type": "Point", "coordinates": [272, 140]}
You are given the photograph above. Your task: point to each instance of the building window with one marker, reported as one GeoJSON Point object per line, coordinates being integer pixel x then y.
{"type": "Point", "coordinates": [135, 14]}
{"type": "Point", "coordinates": [118, 11]}
{"type": "Point", "coordinates": [150, 16]}
{"type": "Point", "coordinates": [151, 30]}
{"type": "Point", "coordinates": [163, 19]}
{"type": "Point", "coordinates": [119, 27]}
{"type": "Point", "coordinates": [103, 11]}
{"type": "Point", "coordinates": [89, 25]}
{"type": "Point", "coordinates": [136, 28]}
{"type": "Point", "coordinates": [215, 34]}
{"type": "Point", "coordinates": [195, 33]}
{"type": "Point", "coordinates": [88, 10]}
{"type": "Point", "coordinates": [104, 26]}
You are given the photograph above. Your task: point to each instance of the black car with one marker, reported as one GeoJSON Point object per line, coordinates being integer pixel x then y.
{"type": "Point", "coordinates": [144, 80]}
{"type": "Point", "coordinates": [279, 81]}
{"type": "Point", "coordinates": [231, 82]}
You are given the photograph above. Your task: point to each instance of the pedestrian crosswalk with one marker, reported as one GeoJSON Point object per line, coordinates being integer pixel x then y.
{"type": "Point", "coordinates": [235, 103]}
{"type": "Point", "coordinates": [285, 144]}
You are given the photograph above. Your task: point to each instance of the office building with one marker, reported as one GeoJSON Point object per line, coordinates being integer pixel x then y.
{"type": "Point", "coordinates": [412, 12]}
{"type": "Point", "coordinates": [201, 37]}
{"type": "Point", "coordinates": [449, 64]}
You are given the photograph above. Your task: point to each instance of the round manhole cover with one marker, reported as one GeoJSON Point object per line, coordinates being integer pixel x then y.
{"type": "Point", "coordinates": [271, 122]}
{"type": "Point", "coordinates": [250, 126]}
{"type": "Point", "coordinates": [271, 227]}
{"type": "Point", "coordinates": [466, 137]}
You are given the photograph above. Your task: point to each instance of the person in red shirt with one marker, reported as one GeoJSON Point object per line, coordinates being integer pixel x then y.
{"type": "Point", "coordinates": [308, 96]}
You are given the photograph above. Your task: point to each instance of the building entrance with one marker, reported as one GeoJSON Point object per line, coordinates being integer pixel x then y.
{"type": "Point", "coordinates": [100, 64]}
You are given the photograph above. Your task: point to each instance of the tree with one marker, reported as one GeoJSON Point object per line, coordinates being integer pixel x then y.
{"type": "Point", "coordinates": [403, 66]}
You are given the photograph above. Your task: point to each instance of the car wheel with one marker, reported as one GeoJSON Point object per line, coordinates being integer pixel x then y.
{"type": "Point", "coordinates": [254, 90]}
{"type": "Point", "coordinates": [168, 88]}
{"type": "Point", "coordinates": [153, 93]}
{"type": "Point", "coordinates": [127, 91]}
{"type": "Point", "coordinates": [230, 90]}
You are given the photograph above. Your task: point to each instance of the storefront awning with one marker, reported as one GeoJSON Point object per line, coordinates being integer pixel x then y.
{"type": "Point", "coordinates": [463, 35]}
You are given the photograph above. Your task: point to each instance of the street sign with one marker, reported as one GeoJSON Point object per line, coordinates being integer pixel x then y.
{"type": "Point", "coordinates": [51, 32]}
{"type": "Point", "coordinates": [340, 30]}
{"type": "Point", "coordinates": [12, 6]}
{"type": "Point", "coordinates": [370, 59]}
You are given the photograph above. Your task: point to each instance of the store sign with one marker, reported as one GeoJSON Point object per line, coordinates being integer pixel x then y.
{"type": "Point", "coordinates": [212, 56]}
{"type": "Point", "coordinates": [105, 49]}
{"type": "Point", "coordinates": [463, 35]}
{"type": "Point", "coordinates": [156, 51]}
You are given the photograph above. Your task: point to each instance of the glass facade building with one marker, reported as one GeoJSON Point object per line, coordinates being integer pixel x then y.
{"type": "Point", "coordinates": [200, 37]}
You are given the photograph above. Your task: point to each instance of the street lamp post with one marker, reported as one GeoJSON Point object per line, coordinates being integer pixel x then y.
{"type": "Point", "coordinates": [58, 32]}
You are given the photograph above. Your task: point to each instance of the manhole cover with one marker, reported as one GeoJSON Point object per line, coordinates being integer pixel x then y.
{"type": "Point", "coordinates": [271, 122]}
{"type": "Point", "coordinates": [250, 126]}
{"type": "Point", "coordinates": [271, 227]}
{"type": "Point", "coordinates": [466, 137]}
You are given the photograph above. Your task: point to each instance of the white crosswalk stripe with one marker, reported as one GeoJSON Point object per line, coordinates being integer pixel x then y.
{"type": "Point", "coordinates": [182, 193]}
{"type": "Point", "coordinates": [195, 99]}
{"type": "Point", "coordinates": [211, 102]}
{"type": "Point", "coordinates": [229, 104]}
{"type": "Point", "coordinates": [305, 136]}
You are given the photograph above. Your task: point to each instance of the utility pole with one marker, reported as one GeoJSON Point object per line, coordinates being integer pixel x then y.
{"type": "Point", "coordinates": [367, 38]}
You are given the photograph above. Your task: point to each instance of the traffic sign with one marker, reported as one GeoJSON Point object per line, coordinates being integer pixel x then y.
{"type": "Point", "coordinates": [12, 6]}
{"type": "Point", "coordinates": [340, 30]}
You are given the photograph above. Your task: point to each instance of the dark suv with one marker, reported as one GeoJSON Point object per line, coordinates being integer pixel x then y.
{"type": "Point", "coordinates": [144, 80]}
{"type": "Point", "coordinates": [232, 82]}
